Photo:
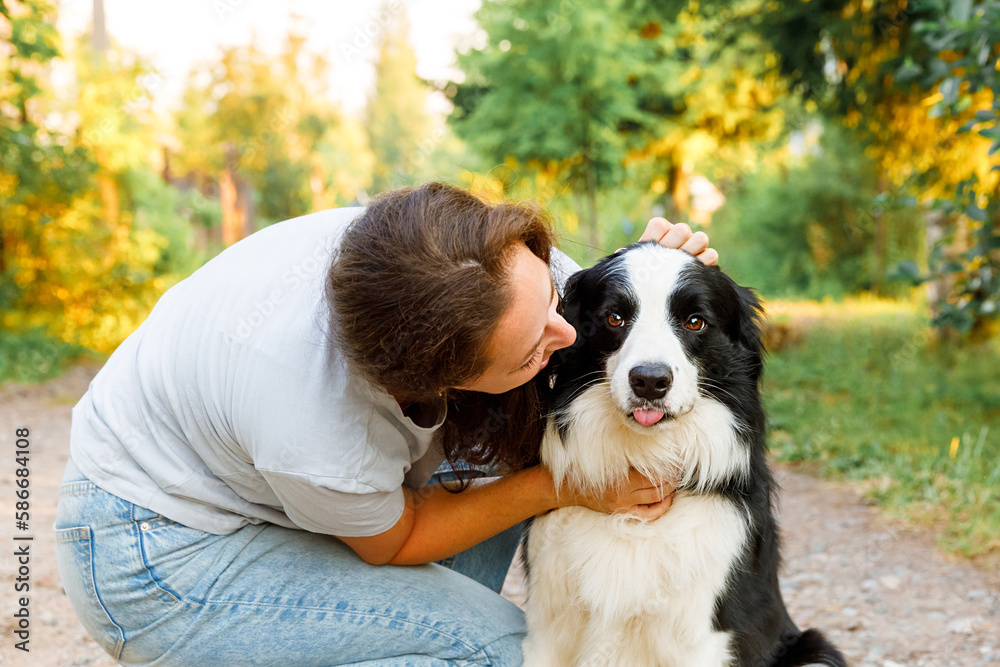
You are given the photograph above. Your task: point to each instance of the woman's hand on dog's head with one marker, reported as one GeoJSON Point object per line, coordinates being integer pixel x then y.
{"type": "Point", "coordinates": [669, 235]}
{"type": "Point", "coordinates": [638, 496]}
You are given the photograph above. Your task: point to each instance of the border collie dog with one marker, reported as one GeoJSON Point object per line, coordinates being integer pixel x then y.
{"type": "Point", "coordinates": [663, 378]}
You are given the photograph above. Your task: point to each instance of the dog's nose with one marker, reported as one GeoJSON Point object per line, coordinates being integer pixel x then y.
{"type": "Point", "coordinates": [651, 381]}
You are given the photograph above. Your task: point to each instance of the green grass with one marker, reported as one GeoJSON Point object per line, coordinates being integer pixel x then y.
{"type": "Point", "coordinates": [871, 396]}
{"type": "Point", "coordinates": [31, 356]}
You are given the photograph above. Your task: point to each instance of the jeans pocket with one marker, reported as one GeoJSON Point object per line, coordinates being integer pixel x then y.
{"type": "Point", "coordinates": [174, 556]}
{"type": "Point", "coordinates": [75, 560]}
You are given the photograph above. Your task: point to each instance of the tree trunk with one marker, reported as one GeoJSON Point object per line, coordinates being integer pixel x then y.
{"type": "Point", "coordinates": [593, 231]}
{"type": "Point", "coordinates": [936, 228]}
{"type": "Point", "coordinates": [99, 37]}
{"type": "Point", "coordinates": [236, 199]}
{"type": "Point", "coordinates": [680, 196]}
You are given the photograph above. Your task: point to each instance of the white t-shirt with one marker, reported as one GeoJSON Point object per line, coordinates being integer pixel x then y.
{"type": "Point", "coordinates": [227, 406]}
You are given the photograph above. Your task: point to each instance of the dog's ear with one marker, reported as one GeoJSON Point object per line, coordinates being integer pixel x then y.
{"type": "Point", "coordinates": [569, 305]}
{"type": "Point", "coordinates": [749, 322]}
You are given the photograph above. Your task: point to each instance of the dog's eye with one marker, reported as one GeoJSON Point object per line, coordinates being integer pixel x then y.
{"type": "Point", "coordinates": [695, 323]}
{"type": "Point", "coordinates": [615, 320]}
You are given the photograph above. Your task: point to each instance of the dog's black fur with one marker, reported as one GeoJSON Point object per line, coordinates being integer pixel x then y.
{"type": "Point", "coordinates": [729, 356]}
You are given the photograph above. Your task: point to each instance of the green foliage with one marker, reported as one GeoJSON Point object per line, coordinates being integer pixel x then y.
{"type": "Point", "coordinates": [806, 229]}
{"type": "Point", "coordinates": [970, 31]}
{"type": "Point", "coordinates": [90, 237]}
{"type": "Point", "coordinates": [597, 86]}
{"type": "Point", "coordinates": [202, 211]}
{"type": "Point", "coordinates": [32, 356]}
{"type": "Point", "coordinates": [961, 39]}
{"type": "Point", "coordinates": [39, 174]}
{"type": "Point", "coordinates": [554, 64]}
{"type": "Point", "coordinates": [875, 66]}
{"type": "Point", "coordinates": [874, 398]}
{"type": "Point", "coordinates": [569, 73]}
{"type": "Point", "coordinates": [160, 207]}
{"type": "Point", "coordinates": [270, 122]}
{"type": "Point", "coordinates": [975, 273]}
{"type": "Point", "coordinates": [282, 188]}
{"type": "Point", "coordinates": [395, 119]}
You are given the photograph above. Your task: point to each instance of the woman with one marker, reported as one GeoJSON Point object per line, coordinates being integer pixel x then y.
{"type": "Point", "coordinates": [274, 431]}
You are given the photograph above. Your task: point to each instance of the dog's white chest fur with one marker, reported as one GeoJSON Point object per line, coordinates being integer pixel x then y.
{"type": "Point", "coordinates": [605, 590]}
{"type": "Point", "coordinates": [614, 590]}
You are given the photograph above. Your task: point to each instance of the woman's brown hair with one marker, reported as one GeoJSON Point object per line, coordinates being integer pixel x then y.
{"type": "Point", "coordinates": [416, 289]}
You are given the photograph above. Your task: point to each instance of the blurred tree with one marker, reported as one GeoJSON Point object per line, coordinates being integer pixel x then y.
{"type": "Point", "coordinates": [265, 129]}
{"type": "Point", "coordinates": [797, 227]}
{"type": "Point", "coordinates": [551, 90]}
{"type": "Point", "coordinates": [395, 118]}
{"type": "Point", "coordinates": [71, 263]}
{"type": "Point", "coordinates": [912, 78]}
{"type": "Point", "coordinates": [596, 87]}
{"type": "Point", "coordinates": [963, 39]}
{"type": "Point", "coordinates": [40, 174]}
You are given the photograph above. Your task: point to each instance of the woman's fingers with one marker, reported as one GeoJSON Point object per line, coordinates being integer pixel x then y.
{"type": "Point", "coordinates": [677, 236]}
{"type": "Point", "coordinates": [681, 237]}
{"type": "Point", "coordinates": [709, 257]}
{"type": "Point", "coordinates": [652, 510]}
{"type": "Point", "coordinates": [697, 244]}
{"type": "Point", "coordinates": [656, 229]}
{"type": "Point", "coordinates": [645, 491]}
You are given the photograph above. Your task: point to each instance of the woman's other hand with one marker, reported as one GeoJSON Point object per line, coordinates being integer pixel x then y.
{"type": "Point", "coordinates": [638, 496]}
{"type": "Point", "coordinates": [680, 236]}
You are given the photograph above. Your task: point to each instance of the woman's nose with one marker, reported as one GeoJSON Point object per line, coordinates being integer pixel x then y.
{"type": "Point", "coordinates": [567, 334]}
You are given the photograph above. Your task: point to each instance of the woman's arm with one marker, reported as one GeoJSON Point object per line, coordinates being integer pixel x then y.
{"type": "Point", "coordinates": [436, 523]}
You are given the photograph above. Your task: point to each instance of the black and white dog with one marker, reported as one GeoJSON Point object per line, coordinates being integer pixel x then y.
{"type": "Point", "coordinates": [663, 377]}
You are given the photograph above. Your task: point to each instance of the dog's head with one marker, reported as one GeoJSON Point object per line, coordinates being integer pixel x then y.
{"type": "Point", "coordinates": [657, 332]}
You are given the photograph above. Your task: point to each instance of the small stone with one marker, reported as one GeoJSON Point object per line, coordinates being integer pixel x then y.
{"type": "Point", "coordinates": [889, 581]}
{"type": "Point", "coordinates": [976, 594]}
{"type": "Point", "coordinates": [890, 663]}
{"type": "Point", "coordinates": [849, 611]}
{"type": "Point", "coordinates": [961, 626]}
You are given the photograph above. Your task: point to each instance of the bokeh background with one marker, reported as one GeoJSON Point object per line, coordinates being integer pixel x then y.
{"type": "Point", "coordinates": [843, 156]}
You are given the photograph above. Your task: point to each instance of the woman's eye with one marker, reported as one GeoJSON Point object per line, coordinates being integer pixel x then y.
{"type": "Point", "coordinates": [695, 323]}
{"type": "Point", "coordinates": [615, 320]}
{"type": "Point", "coordinates": [531, 361]}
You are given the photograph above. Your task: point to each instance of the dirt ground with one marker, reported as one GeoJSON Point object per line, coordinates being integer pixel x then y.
{"type": "Point", "coordinates": [880, 590]}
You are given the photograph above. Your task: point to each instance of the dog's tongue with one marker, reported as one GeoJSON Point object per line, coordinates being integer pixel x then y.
{"type": "Point", "coordinates": [648, 417]}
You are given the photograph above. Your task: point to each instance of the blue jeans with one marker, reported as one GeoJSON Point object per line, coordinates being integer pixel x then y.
{"type": "Point", "coordinates": [151, 591]}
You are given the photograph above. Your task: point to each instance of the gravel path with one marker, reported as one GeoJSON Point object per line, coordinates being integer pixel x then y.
{"type": "Point", "coordinates": [882, 591]}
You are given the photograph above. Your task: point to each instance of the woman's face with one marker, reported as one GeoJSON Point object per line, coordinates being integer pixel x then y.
{"type": "Point", "coordinates": [529, 332]}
